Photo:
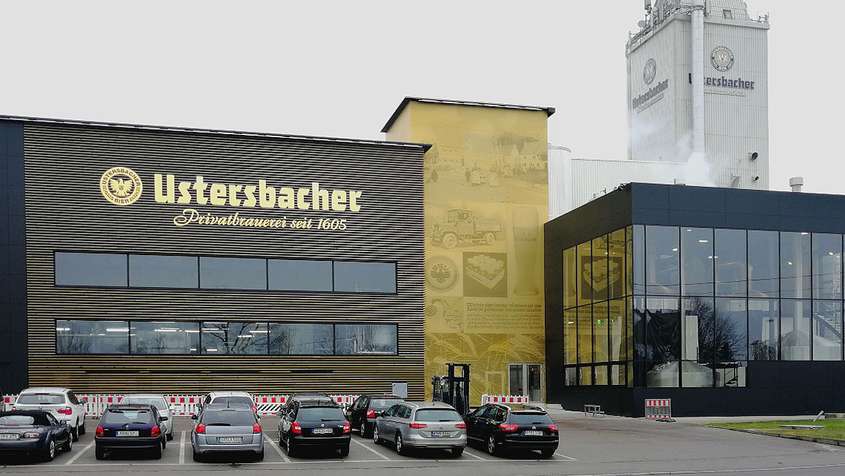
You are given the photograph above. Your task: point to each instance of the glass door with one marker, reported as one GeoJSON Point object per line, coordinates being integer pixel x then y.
{"type": "Point", "coordinates": [526, 379]}
{"type": "Point", "coordinates": [517, 380]}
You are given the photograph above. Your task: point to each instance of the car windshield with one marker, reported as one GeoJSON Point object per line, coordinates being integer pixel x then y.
{"type": "Point", "coordinates": [530, 418]}
{"type": "Point", "coordinates": [154, 401]}
{"type": "Point", "coordinates": [382, 403]}
{"type": "Point", "coordinates": [228, 418]}
{"type": "Point", "coordinates": [118, 416]}
{"type": "Point", "coordinates": [437, 414]}
{"type": "Point", "coordinates": [23, 420]}
{"type": "Point", "coordinates": [233, 401]}
{"type": "Point", "coordinates": [41, 399]}
{"type": "Point", "coordinates": [320, 414]}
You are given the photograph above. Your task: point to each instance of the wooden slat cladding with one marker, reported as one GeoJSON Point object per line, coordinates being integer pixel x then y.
{"type": "Point", "coordinates": [65, 211]}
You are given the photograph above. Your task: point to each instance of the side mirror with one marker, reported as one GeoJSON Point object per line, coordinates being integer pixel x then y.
{"type": "Point", "coordinates": [164, 418]}
{"type": "Point", "coordinates": [193, 416]}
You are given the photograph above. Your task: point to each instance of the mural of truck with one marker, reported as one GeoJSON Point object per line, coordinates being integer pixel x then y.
{"type": "Point", "coordinates": [464, 227]}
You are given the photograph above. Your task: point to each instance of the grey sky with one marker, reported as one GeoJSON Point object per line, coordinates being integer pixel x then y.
{"type": "Point", "coordinates": [339, 68]}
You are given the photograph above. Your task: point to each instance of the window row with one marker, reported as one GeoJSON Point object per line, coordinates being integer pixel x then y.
{"type": "Point", "coordinates": [597, 334]}
{"type": "Point", "coordinates": [586, 375]}
{"type": "Point", "coordinates": [599, 269]}
{"type": "Point", "coordinates": [206, 272]}
{"type": "Point", "coordinates": [82, 337]}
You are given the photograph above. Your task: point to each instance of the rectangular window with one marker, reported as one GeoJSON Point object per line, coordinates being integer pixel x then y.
{"type": "Point", "coordinates": [600, 334]}
{"type": "Point", "coordinates": [617, 374]}
{"type": "Point", "coordinates": [600, 277]}
{"type": "Point", "coordinates": [763, 263]}
{"type": "Point", "coordinates": [585, 376]}
{"type": "Point", "coordinates": [301, 339]}
{"type": "Point", "coordinates": [697, 329]}
{"type": "Point", "coordinates": [158, 271]}
{"type": "Point", "coordinates": [638, 328]}
{"type": "Point", "coordinates": [359, 277]}
{"type": "Point", "coordinates": [697, 261]}
{"type": "Point", "coordinates": [570, 376]}
{"type": "Point", "coordinates": [795, 265]}
{"type": "Point", "coordinates": [92, 337]}
{"type": "Point", "coordinates": [636, 258]}
{"type": "Point", "coordinates": [234, 338]}
{"type": "Point", "coordinates": [662, 261]}
{"type": "Point", "coordinates": [90, 269]}
{"type": "Point", "coordinates": [570, 336]}
{"type": "Point", "coordinates": [731, 342]}
{"type": "Point", "coordinates": [585, 274]}
{"type": "Point", "coordinates": [299, 275]}
{"type": "Point", "coordinates": [616, 264]}
{"type": "Point", "coordinates": [763, 329]}
{"type": "Point", "coordinates": [795, 322]}
{"type": "Point", "coordinates": [365, 339]}
{"type": "Point", "coordinates": [233, 273]}
{"type": "Point", "coordinates": [585, 335]}
{"type": "Point", "coordinates": [570, 275]}
{"type": "Point", "coordinates": [827, 330]}
{"type": "Point", "coordinates": [616, 328]}
{"type": "Point", "coordinates": [164, 337]}
{"type": "Point", "coordinates": [600, 374]}
{"type": "Point", "coordinates": [827, 266]}
{"type": "Point", "coordinates": [663, 344]}
{"type": "Point", "coordinates": [731, 263]}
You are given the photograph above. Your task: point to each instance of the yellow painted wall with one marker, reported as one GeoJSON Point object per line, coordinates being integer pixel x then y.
{"type": "Point", "coordinates": [487, 169]}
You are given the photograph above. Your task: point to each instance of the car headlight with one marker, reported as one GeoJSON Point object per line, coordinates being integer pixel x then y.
{"type": "Point", "coordinates": [31, 435]}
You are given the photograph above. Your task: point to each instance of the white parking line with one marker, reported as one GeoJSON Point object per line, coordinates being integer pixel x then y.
{"type": "Point", "coordinates": [475, 456]}
{"type": "Point", "coordinates": [362, 445]}
{"type": "Point", "coordinates": [276, 447]}
{"type": "Point", "coordinates": [182, 448]}
{"type": "Point", "coordinates": [567, 458]}
{"type": "Point", "coordinates": [80, 453]}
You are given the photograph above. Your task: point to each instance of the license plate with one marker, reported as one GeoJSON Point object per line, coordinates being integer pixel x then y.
{"type": "Point", "coordinates": [322, 431]}
{"type": "Point", "coordinates": [532, 433]}
{"type": "Point", "coordinates": [229, 439]}
{"type": "Point", "coordinates": [127, 433]}
{"type": "Point", "coordinates": [9, 436]}
{"type": "Point", "coordinates": [440, 434]}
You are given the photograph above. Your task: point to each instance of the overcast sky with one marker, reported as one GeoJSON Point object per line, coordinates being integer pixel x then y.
{"type": "Point", "coordinates": [340, 67]}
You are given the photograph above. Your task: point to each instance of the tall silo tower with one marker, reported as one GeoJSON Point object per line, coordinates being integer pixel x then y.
{"type": "Point", "coordinates": [698, 91]}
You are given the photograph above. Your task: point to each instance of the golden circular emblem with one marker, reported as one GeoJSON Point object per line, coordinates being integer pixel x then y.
{"type": "Point", "coordinates": [121, 186]}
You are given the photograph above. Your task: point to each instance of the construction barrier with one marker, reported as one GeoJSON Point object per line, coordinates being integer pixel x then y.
{"type": "Point", "coordinates": [659, 409]}
{"type": "Point", "coordinates": [485, 399]}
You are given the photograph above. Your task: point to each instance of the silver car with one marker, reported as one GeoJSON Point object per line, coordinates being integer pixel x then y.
{"type": "Point", "coordinates": [227, 429]}
{"type": "Point", "coordinates": [161, 405]}
{"type": "Point", "coordinates": [433, 425]}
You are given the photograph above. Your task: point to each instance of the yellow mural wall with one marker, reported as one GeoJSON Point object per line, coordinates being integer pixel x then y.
{"type": "Point", "coordinates": [486, 197]}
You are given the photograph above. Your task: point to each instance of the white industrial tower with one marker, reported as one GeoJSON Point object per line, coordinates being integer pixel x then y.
{"type": "Point", "coordinates": [698, 91]}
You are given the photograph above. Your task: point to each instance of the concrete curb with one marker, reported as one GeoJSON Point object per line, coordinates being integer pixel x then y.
{"type": "Point", "coordinates": [824, 441]}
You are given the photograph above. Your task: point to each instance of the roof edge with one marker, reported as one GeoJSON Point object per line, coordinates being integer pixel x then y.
{"type": "Point", "coordinates": [196, 130]}
{"type": "Point", "coordinates": [393, 117]}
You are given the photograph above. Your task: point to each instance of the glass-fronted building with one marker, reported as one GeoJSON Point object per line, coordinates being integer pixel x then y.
{"type": "Point", "coordinates": [726, 301]}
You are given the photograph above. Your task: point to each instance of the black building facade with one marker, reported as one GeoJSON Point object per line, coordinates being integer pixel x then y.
{"type": "Point", "coordinates": [729, 302]}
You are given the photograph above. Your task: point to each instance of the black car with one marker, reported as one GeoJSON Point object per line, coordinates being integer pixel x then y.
{"type": "Point", "coordinates": [366, 408]}
{"type": "Point", "coordinates": [129, 427]}
{"type": "Point", "coordinates": [311, 397]}
{"type": "Point", "coordinates": [307, 424]}
{"type": "Point", "coordinates": [33, 433]}
{"type": "Point", "coordinates": [501, 427]}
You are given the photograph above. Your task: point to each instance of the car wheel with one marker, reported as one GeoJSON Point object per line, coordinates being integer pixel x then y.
{"type": "Point", "coordinates": [376, 438]}
{"type": "Point", "coordinates": [547, 453]}
{"type": "Point", "coordinates": [197, 456]}
{"type": "Point", "coordinates": [74, 433]}
{"type": "Point", "coordinates": [260, 456]}
{"type": "Point", "coordinates": [50, 451]}
{"type": "Point", "coordinates": [99, 453]}
{"type": "Point", "coordinates": [82, 427]}
{"type": "Point", "coordinates": [399, 444]}
{"type": "Point", "coordinates": [366, 430]}
{"type": "Point", "coordinates": [170, 436]}
{"type": "Point", "coordinates": [344, 451]}
{"type": "Point", "coordinates": [157, 452]}
{"type": "Point", "coordinates": [68, 445]}
{"type": "Point", "coordinates": [491, 445]}
{"type": "Point", "coordinates": [457, 452]}
{"type": "Point", "coordinates": [291, 448]}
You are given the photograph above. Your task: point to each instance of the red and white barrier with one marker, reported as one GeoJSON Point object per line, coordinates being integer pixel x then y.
{"type": "Point", "coordinates": [485, 399]}
{"type": "Point", "coordinates": [658, 408]}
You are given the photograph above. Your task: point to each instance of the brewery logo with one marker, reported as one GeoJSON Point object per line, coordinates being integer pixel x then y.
{"type": "Point", "coordinates": [121, 186]}
{"type": "Point", "coordinates": [650, 71]}
{"type": "Point", "coordinates": [722, 58]}
{"type": "Point", "coordinates": [441, 273]}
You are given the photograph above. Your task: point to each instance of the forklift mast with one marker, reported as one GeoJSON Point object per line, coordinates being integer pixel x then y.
{"type": "Point", "coordinates": [453, 388]}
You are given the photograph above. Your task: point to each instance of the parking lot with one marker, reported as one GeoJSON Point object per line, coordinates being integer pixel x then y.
{"type": "Point", "coordinates": [600, 446]}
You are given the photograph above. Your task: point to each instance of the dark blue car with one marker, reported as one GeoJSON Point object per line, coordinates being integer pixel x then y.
{"type": "Point", "coordinates": [33, 433]}
{"type": "Point", "coordinates": [129, 427]}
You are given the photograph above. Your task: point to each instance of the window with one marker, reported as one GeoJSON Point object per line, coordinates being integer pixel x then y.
{"type": "Point", "coordinates": [662, 265]}
{"type": "Point", "coordinates": [233, 273]}
{"type": "Point", "coordinates": [731, 266]}
{"type": "Point", "coordinates": [795, 322]}
{"type": "Point", "coordinates": [301, 339]}
{"type": "Point", "coordinates": [697, 332]}
{"type": "Point", "coordinates": [616, 328]}
{"type": "Point", "coordinates": [763, 329]}
{"type": "Point", "coordinates": [570, 274]}
{"type": "Point", "coordinates": [638, 328]}
{"type": "Point", "coordinates": [617, 374]}
{"type": "Point", "coordinates": [90, 269]}
{"type": "Point", "coordinates": [795, 265]}
{"type": "Point", "coordinates": [155, 271]}
{"type": "Point", "coordinates": [728, 14]}
{"type": "Point", "coordinates": [827, 330]}
{"type": "Point", "coordinates": [585, 335]}
{"type": "Point", "coordinates": [585, 274]}
{"type": "Point", "coordinates": [162, 337]}
{"type": "Point", "coordinates": [359, 277]}
{"type": "Point", "coordinates": [600, 332]}
{"type": "Point", "coordinates": [697, 261]}
{"type": "Point", "coordinates": [300, 275]}
{"type": "Point", "coordinates": [585, 376]}
{"type": "Point", "coordinates": [827, 266]}
{"type": "Point", "coordinates": [234, 338]}
{"type": "Point", "coordinates": [600, 377]}
{"type": "Point", "coordinates": [616, 264]}
{"type": "Point", "coordinates": [570, 336]}
{"type": "Point", "coordinates": [663, 342]}
{"type": "Point", "coordinates": [731, 331]}
{"type": "Point", "coordinates": [92, 337]}
{"type": "Point", "coordinates": [763, 263]}
{"type": "Point", "coordinates": [600, 278]}
{"type": "Point", "coordinates": [636, 258]}
{"type": "Point", "coordinates": [570, 376]}
{"type": "Point", "coordinates": [363, 339]}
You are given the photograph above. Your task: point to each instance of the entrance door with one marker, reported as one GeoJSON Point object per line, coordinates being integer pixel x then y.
{"type": "Point", "coordinates": [526, 379]}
